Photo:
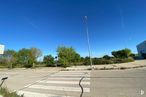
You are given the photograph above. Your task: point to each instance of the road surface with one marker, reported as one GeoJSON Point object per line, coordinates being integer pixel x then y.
{"type": "Point", "coordinates": [119, 83]}
{"type": "Point", "coordinates": [98, 83]}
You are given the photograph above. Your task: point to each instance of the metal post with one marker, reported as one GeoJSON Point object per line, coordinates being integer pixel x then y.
{"type": "Point", "coordinates": [3, 79]}
{"type": "Point", "coordinates": [88, 40]}
{"type": "Point", "coordinates": [56, 60]}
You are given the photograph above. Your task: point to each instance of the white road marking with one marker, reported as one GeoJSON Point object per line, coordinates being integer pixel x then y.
{"type": "Point", "coordinates": [28, 85]}
{"type": "Point", "coordinates": [66, 78]}
{"type": "Point", "coordinates": [63, 77]}
{"type": "Point", "coordinates": [142, 92]}
{"type": "Point", "coordinates": [59, 88]}
{"type": "Point", "coordinates": [75, 72]}
{"type": "Point", "coordinates": [65, 82]}
{"type": "Point", "coordinates": [71, 75]}
{"type": "Point", "coordinates": [34, 94]}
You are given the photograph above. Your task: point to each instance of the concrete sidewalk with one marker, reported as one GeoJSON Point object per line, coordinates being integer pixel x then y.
{"type": "Point", "coordinates": [130, 65]}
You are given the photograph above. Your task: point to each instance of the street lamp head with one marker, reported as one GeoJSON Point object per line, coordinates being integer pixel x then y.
{"type": "Point", "coordinates": [85, 17]}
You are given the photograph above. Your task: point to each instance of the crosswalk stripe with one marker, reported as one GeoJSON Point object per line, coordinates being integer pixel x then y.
{"type": "Point", "coordinates": [60, 88]}
{"type": "Point", "coordinates": [66, 78]}
{"type": "Point", "coordinates": [65, 82]}
{"type": "Point", "coordinates": [34, 94]}
{"type": "Point", "coordinates": [71, 75]}
{"type": "Point", "coordinates": [77, 71]}
{"type": "Point", "coordinates": [74, 73]}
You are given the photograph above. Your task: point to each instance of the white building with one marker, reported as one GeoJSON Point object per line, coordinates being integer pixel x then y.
{"type": "Point", "coordinates": [141, 48]}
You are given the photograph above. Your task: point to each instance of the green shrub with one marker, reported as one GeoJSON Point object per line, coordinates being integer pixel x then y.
{"type": "Point", "coordinates": [123, 60]}
{"type": "Point", "coordinates": [129, 59]}
{"type": "Point", "coordinates": [6, 93]}
{"type": "Point", "coordinates": [107, 61]}
{"type": "Point", "coordinates": [28, 65]}
{"type": "Point", "coordinates": [100, 61]}
{"type": "Point", "coordinates": [86, 62]}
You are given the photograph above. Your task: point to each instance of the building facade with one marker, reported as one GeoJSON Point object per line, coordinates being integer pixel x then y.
{"type": "Point", "coordinates": [141, 48]}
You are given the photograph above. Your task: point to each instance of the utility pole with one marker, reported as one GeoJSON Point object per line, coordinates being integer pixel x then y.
{"type": "Point", "coordinates": [88, 40]}
{"type": "Point", "coordinates": [56, 61]}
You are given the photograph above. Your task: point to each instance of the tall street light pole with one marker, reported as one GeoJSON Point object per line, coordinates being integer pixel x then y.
{"type": "Point", "coordinates": [88, 40]}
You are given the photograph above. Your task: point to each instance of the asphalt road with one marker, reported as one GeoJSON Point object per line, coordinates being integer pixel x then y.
{"type": "Point", "coordinates": [54, 83]}
{"type": "Point", "coordinates": [18, 78]}
{"type": "Point", "coordinates": [119, 83]}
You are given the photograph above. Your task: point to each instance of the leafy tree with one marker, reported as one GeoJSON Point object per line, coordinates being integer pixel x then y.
{"type": "Point", "coordinates": [86, 60]}
{"type": "Point", "coordinates": [124, 53]}
{"type": "Point", "coordinates": [67, 56]}
{"type": "Point", "coordinates": [82, 59]}
{"type": "Point", "coordinates": [76, 59]}
{"type": "Point", "coordinates": [127, 52]}
{"type": "Point", "coordinates": [28, 57]}
{"type": "Point", "coordinates": [49, 60]}
{"type": "Point", "coordinates": [35, 53]}
{"type": "Point", "coordinates": [10, 57]}
{"type": "Point", "coordinates": [106, 57]}
{"type": "Point", "coordinates": [24, 57]}
{"type": "Point", "coordinates": [133, 55]}
{"type": "Point", "coordinates": [3, 61]}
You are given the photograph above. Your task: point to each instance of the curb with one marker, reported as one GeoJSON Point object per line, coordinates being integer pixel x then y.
{"type": "Point", "coordinates": [104, 68]}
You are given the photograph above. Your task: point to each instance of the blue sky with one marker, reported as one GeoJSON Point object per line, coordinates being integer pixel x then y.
{"type": "Point", "coordinates": [47, 24]}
